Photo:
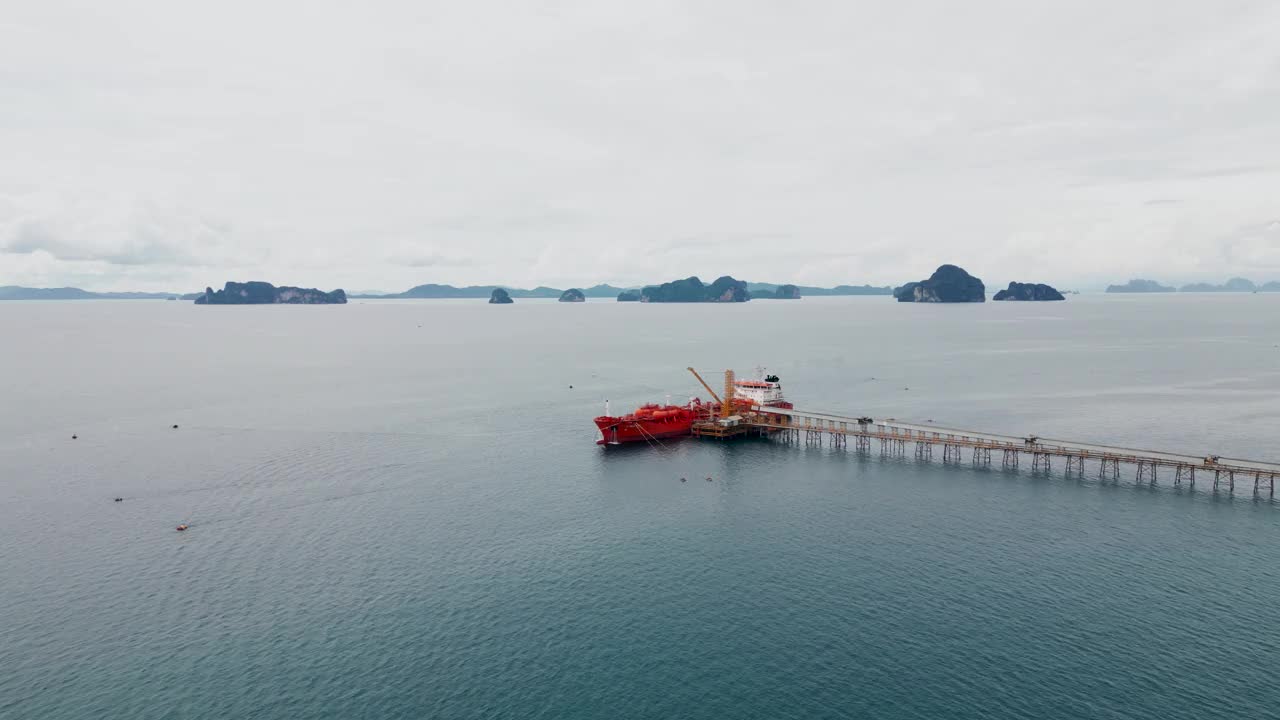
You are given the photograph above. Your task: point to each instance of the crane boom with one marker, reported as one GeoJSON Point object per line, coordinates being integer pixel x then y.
{"type": "Point", "coordinates": [705, 385]}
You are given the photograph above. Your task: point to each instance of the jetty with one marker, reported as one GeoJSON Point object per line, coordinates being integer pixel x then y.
{"type": "Point", "coordinates": [741, 417]}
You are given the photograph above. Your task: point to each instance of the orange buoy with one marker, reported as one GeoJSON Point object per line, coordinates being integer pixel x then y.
{"type": "Point", "coordinates": [182, 527]}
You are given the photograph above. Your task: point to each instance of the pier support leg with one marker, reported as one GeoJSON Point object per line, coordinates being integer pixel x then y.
{"type": "Point", "coordinates": [1010, 459]}
{"type": "Point", "coordinates": [1109, 469]}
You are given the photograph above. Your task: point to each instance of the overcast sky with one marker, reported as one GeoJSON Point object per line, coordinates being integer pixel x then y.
{"type": "Point", "coordinates": [161, 145]}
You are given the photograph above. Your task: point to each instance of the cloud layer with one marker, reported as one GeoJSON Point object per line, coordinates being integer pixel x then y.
{"type": "Point", "coordinates": [386, 144]}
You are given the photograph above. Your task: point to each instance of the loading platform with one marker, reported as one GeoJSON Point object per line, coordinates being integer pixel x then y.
{"type": "Point", "coordinates": [955, 445]}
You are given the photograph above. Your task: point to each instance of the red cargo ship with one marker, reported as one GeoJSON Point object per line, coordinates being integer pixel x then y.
{"type": "Point", "coordinates": [650, 422]}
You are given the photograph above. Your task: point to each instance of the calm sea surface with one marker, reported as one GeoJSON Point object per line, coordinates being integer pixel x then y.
{"type": "Point", "coordinates": [397, 510]}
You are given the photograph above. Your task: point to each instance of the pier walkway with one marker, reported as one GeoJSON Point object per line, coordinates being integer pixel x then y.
{"type": "Point", "coordinates": [793, 425]}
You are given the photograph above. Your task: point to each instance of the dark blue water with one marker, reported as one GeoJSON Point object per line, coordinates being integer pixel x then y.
{"type": "Point", "coordinates": [397, 510]}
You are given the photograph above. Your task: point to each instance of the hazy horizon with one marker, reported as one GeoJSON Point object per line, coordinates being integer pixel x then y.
{"type": "Point", "coordinates": [152, 147]}
{"type": "Point", "coordinates": [992, 288]}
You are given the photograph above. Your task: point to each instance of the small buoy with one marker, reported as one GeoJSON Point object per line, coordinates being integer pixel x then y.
{"type": "Point", "coordinates": [119, 499]}
{"type": "Point", "coordinates": [73, 437]}
{"type": "Point", "coordinates": [708, 478]}
{"type": "Point", "coordinates": [682, 480]}
{"type": "Point", "coordinates": [175, 427]}
{"type": "Point", "coordinates": [182, 528]}
{"type": "Point", "coordinates": [570, 387]}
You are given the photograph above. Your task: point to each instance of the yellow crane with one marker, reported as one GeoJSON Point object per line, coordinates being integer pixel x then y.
{"type": "Point", "coordinates": [705, 385]}
{"type": "Point", "coordinates": [726, 408]}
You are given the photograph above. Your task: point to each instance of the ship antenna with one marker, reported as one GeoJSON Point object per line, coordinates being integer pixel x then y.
{"type": "Point", "coordinates": [606, 408]}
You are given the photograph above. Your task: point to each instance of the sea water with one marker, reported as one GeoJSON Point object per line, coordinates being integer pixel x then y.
{"type": "Point", "coordinates": [397, 509]}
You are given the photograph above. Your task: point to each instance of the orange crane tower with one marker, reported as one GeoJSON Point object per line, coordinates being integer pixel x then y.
{"type": "Point", "coordinates": [726, 407]}
{"type": "Point", "coordinates": [726, 403]}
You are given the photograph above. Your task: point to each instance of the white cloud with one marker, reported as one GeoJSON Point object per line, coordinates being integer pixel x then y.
{"type": "Point", "coordinates": [388, 144]}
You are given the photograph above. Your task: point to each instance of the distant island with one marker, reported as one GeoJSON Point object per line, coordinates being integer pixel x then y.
{"type": "Point", "coordinates": [1235, 284]}
{"type": "Point", "coordinates": [264, 293]}
{"type": "Point", "coordinates": [947, 284]}
{"type": "Point", "coordinates": [783, 292]}
{"type": "Point", "coordinates": [500, 297]}
{"type": "Point", "coordinates": [433, 291]}
{"type": "Point", "coordinates": [691, 289]}
{"type": "Point", "coordinates": [15, 292]}
{"type": "Point", "coordinates": [1035, 292]}
{"type": "Point", "coordinates": [572, 295]}
{"type": "Point", "coordinates": [1138, 285]}
{"type": "Point", "coordinates": [764, 289]}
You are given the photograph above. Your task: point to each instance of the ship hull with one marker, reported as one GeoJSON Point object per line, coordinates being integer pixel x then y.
{"type": "Point", "coordinates": [616, 431]}
{"type": "Point", "coordinates": [649, 423]}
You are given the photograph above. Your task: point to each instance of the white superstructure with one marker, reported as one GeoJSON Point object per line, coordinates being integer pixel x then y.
{"type": "Point", "coordinates": [766, 390]}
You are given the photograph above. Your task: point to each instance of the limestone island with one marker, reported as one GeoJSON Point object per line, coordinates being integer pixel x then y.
{"type": "Point", "coordinates": [691, 289]}
{"type": "Point", "coordinates": [1235, 284]}
{"type": "Point", "coordinates": [264, 293]}
{"type": "Point", "coordinates": [500, 297]}
{"type": "Point", "coordinates": [629, 296]}
{"type": "Point", "coordinates": [1028, 291]}
{"type": "Point", "coordinates": [1138, 285]}
{"type": "Point", "coordinates": [786, 292]}
{"type": "Point", "coordinates": [947, 284]}
{"type": "Point", "coordinates": [572, 295]}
